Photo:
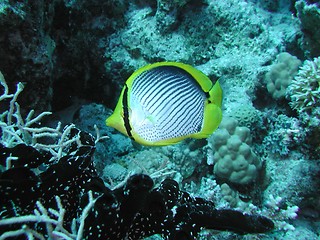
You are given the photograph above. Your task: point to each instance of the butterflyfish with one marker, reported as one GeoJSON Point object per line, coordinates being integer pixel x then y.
{"type": "Point", "coordinates": [166, 102]}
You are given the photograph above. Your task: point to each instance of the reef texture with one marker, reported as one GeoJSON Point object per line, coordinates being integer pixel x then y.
{"type": "Point", "coordinates": [72, 58]}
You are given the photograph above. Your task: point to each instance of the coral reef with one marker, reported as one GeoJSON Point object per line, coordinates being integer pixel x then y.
{"type": "Point", "coordinates": [73, 57]}
{"type": "Point", "coordinates": [132, 211]}
{"type": "Point", "coordinates": [54, 48]}
{"type": "Point", "coordinates": [86, 208]}
{"type": "Point", "coordinates": [168, 13]}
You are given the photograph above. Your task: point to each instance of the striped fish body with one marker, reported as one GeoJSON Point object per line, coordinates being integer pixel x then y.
{"type": "Point", "coordinates": [164, 103]}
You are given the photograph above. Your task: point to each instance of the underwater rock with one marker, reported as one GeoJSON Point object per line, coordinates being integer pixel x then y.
{"type": "Point", "coordinates": [309, 16]}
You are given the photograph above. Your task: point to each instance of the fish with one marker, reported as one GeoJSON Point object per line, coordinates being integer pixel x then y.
{"type": "Point", "coordinates": [166, 102]}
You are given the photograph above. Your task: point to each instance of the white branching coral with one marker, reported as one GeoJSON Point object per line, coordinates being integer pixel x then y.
{"type": "Point", "coordinates": [280, 216]}
{"type": "Point", "coordinates": [53, 220]}
{"type": "Point", "coordinates": [28, 130]}
{"type": "Point", "coordinates": [15, 129]}
{"type": "Point", "coordinates": [304, 89]}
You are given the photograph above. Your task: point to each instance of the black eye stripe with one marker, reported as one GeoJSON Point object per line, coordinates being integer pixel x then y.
{"type": "Point", "coordinates": [126, 112]}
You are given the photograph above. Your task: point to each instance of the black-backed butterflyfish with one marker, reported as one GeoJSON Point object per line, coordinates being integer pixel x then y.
{"type": "Point", "coordinates": [166, 102]}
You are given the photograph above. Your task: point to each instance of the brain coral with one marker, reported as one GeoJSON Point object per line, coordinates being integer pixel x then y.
{"type": "Point", "coordinates": [304, 90]}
